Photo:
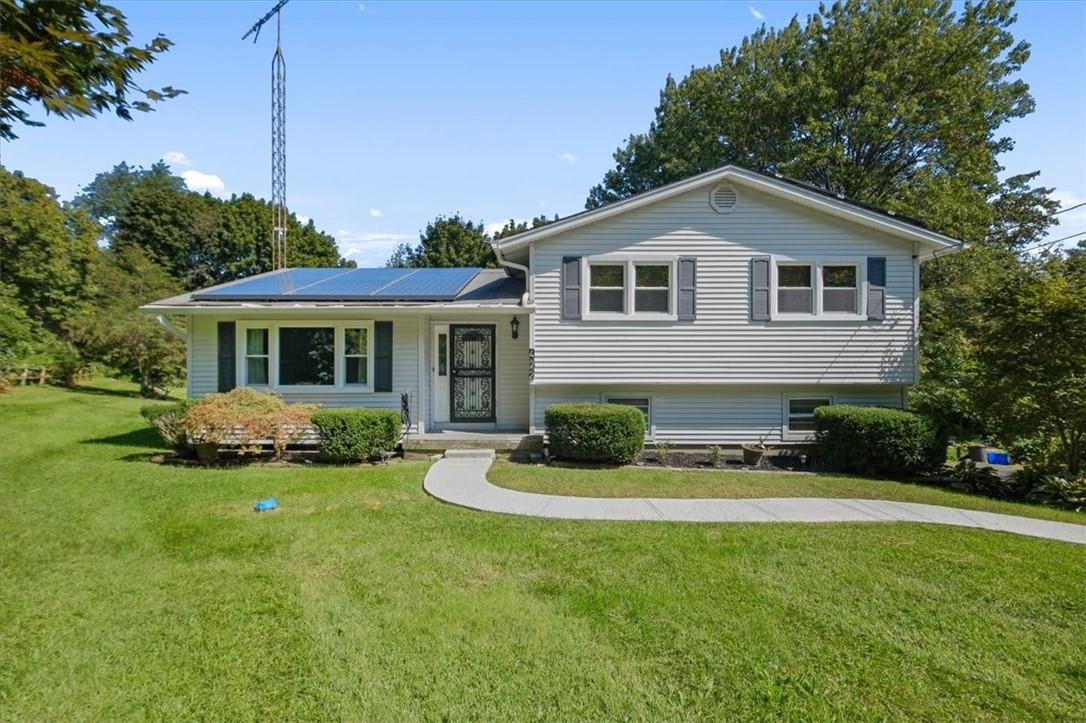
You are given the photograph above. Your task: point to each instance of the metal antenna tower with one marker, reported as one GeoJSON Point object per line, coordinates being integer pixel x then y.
{"type": "Point", "coordinates": [279, 137]}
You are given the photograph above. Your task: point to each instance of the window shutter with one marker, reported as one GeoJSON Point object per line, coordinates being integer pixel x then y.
{"type": "Point", "coordinates": [382, 356]}
{"type": "Point", "coordinates": [688, 283]}
{"type": "Point", "coordinates": [876, 287]}
{"type": "Point", "coordinates": [228, 368]}
{"type": "Point", "coordinates": [571, 287]}
{"type": "Point", "coordinates": [759, 288]}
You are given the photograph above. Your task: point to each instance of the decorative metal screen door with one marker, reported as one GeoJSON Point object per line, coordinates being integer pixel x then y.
{"type": "Point", "coordinates": [471, 373]}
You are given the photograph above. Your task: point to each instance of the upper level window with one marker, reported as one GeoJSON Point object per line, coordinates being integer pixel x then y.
{"type": "Point", "coordinates": [607, 288]}
{"type": "Point", "coordinates": [840, 289]}
{"type": "Point", "coordinates": [307, 356]}
{"type": "Point", "coordinates": [652, 290]}
{"type": "Point", "coordinates": [795, 291]}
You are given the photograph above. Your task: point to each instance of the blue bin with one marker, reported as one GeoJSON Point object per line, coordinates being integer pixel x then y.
{"type": "Point", "coordinates": [266, 505]}
{"type": "Point", "coordinates": [999, 458]}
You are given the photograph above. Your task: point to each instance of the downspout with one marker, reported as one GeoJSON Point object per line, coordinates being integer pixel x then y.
{"type": "Point", "coordinates": [526, 299]}
{"type": "Point", "coordinates": [172, 328]}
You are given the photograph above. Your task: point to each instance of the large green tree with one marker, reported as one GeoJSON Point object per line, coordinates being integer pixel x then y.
{"type": "Point", "coordinates": [447, 241]}
{"type": "Point", "coordinates": [47, 250]}
{"type": "Point", "coordinates": [113, 331]}
{"type": "Point", "coordinates": [73, 58]}
{"type": "Point", "coordinates": [897, 103]}
{"type": "Point", "coordinates": [105, 197]}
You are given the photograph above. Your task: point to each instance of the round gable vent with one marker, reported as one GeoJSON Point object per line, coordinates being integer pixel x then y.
{"type": "Point", "coordinates": [723, 198]}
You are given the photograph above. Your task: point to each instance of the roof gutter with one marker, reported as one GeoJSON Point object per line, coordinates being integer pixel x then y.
{"type": "Point", "coordinates": [526, 299]}
{"type": "Point", "coordinates": [172, 328]}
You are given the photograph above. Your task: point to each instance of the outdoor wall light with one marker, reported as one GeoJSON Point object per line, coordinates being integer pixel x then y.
{"type": "Point", "coordinates": [514, 324]}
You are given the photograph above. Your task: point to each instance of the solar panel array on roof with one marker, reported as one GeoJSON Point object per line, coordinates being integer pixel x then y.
{"type": "Point", "coordinates": [346, 285]}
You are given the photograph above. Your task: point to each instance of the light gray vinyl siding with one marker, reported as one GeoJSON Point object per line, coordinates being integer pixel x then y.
{"type": "Point", "coordinates": [203, 360]}
{"type": "Point", "coordinates": [512, 367]}
{"type": "Point", "coordinates": [721, 414]}
{"type": "Point", "coordinates": [723, 345]}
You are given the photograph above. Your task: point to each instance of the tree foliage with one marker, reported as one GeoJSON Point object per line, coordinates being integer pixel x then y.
{"type": "Point", "coordinates": [114, 332]}
{"type": "Point", "coordinates": [1030, 348]}
{"type": "Point", "coordinates": [200, 239]}
{"type": "Point", "coordinates": [74, 58]}
{"type": "Point", "coordinates": [447, 241]}
{"type": "Point", "coordinates": [897, 103]}
{"type": "Point", "coordinates": [512, 227]}
{"type": "Point", "coordinates": [47, 251]}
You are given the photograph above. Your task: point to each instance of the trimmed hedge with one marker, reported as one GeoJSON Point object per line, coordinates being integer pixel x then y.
{"type": "Point", "coordinates": [878, 441]}
{"type": "Point", "coordinates": [606, 433]}
{"type": "Point", "coordinates": [353, 435]}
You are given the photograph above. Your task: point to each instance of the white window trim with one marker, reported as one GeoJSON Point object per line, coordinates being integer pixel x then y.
{"type": "Point", "coordinates": [630, 260]}
{"type": "Point", "coordinates": [273, 327]}
{"type": "Point", "coordinates": [650, 426]}
{"type": "Point", "coordinates": [817, 287]}
{"type": "Point", "coordinates": [787, 434]}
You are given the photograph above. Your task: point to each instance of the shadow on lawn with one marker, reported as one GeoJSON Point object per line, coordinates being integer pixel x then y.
{"type": "Point", "coordinates": [124, 393]}
{"type": "Point", "coordinates": [146, 438]}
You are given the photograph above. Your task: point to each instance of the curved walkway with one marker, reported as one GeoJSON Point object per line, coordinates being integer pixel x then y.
{"type": "Point", "coordinates": [461, 480]}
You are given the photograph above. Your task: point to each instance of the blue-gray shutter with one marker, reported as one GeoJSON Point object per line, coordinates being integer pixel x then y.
{"type": "Point", "coordinates": [228, 368]}
{"type": "Point", "coordinates": [382, 356]}
{"type": "Point", "coordinates": [759, 288]}
{"type": "Point", "coordinates": [688, 287]}
{"type": "Point", "coordinates": [876, 287]}
{"type": "Point", "coordinates": [571, 287]}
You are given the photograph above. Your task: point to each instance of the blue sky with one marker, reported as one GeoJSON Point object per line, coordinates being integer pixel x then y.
{"type": "Point", "coordinates": [400, 111]}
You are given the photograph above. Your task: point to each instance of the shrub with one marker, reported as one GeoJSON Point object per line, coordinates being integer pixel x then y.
{"type": "Point", "coordinates": [878, 441]}
{"type": "Point", "coordinates": [663, 451]}
{"type": "Point", "coordinates": [1045, 487]}
{"type": "Point", "coordinates": [168, 420]}
{"type": "Point", "coordinates": [716, 454]}
{"type": "Point", "coordinates": [985, 481]}
{"type": "Point", "coordinates": [607, 433]}
{"type": "Point", "coordinates": [351, 435]}
{"type": "Point", "coordinates": [243, 416]}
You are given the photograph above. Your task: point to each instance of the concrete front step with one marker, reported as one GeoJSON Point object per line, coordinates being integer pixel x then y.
{"type": "Point", "coordinates": [439, 442]}
{"type": "Point", "coordinates": [469, 454]}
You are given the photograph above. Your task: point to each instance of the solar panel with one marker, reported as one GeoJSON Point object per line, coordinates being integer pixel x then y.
{"type": "Point", "coordinates": [346, 284]}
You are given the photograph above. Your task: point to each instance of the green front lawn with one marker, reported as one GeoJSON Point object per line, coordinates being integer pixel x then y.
{"type": "Point", "coordinates": [734, 484]}
{"type": "Point", "coordinates": [132, 590]}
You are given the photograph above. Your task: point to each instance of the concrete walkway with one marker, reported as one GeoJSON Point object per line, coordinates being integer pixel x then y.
{"type": "Point", "coordinates": [460, 479]}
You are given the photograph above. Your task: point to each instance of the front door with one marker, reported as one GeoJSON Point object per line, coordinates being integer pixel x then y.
{"type": "Point", "coordinates": [471, 372]}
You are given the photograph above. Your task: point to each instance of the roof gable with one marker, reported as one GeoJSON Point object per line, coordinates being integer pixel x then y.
{"type": "Point", "coordinates": [779, 186]}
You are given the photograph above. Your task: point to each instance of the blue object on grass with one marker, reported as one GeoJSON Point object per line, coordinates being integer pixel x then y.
{"type": "Point", "coordinates": [266, 505]}
{"type": "Point", "coordinates": [999, 458]}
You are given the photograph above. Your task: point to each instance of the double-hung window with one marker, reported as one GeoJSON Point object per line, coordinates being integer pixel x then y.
{"type": "Point", "coordinates": [652, 288]}
{"type": "Point", "coordinates": [256, 357]}
{"type": "Point", "coordinates": [356, 356]}
{"type": "Point", "coordinates": [840, 289]}
{"type": "Point", "coordinates": [795, 288]}
{"type": "Point", "coordinates": [607, 288]}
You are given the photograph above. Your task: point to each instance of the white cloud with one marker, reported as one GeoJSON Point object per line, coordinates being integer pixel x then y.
{"type": "Point", "coordinates": [493, 228]}
{"type": "Point", "coordinates": [376, 213]}
{"type": "Point", "coordinates": [369, 249]}
{"type": "Point", "coordinates": [302, 219]}
{"type": "Point", "coordinates": [755, 13]}
{"type": "Point", "coordinates": [567, 157]}
{"type": "Point", "coordinates": [200, 181]}
{"type": "Point", "coordinates": [175, 158]}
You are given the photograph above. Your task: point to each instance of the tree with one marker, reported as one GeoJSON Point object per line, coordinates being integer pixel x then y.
{"type": "Point", "coordinates": [1031, 354]}
{"type": "Point", "coordinates": [512, 228]}
{"type": "Point", "coordinates": [115, 332]}
{"type": "Point", "coordinates": [447, 241]}
{"type": "Point", "coordinates": [47, 251]}
{"type": "Point", "coordinates": [105, 197]}
{"type": "Point", "coordinates": [74, 58]}
{"type": "Point", "coordinates": [897, 103]}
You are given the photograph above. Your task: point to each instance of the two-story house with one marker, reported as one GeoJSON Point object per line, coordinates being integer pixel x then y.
{"type": "Point", "coordinates": [726, 307]}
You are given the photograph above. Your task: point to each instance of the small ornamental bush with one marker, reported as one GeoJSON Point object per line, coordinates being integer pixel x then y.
{"type": "Point", "coordinates": [353, 435]}
{"type": "Point", "coordinates": [168, 419]}
{"type": "Point", "coordinates": [878, 441]}
{"type": "Point", "coordinates": [243, 416]}
{"type": "Point", "coordinates": [605, 433]}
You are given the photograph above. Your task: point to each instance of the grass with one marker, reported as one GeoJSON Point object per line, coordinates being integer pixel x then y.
{"type": "Point", "coordinates": [658, 482]}
{"type": "Point", "coordinates": [132, 590]}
